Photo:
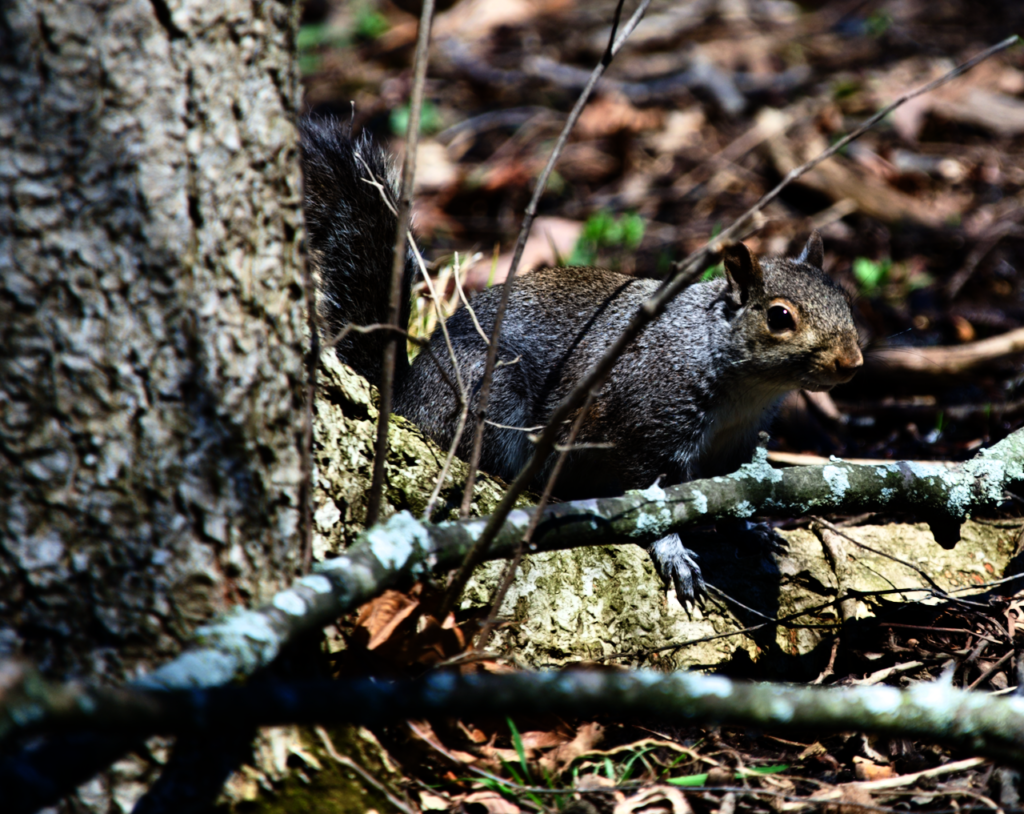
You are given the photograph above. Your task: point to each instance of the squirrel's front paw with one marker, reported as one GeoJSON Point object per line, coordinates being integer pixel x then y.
{"type": "Point", "coordinates": [678, 568]}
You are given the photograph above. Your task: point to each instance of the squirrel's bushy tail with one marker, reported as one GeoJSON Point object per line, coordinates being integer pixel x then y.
{"type": "Point", "coordinates": [351, 190]}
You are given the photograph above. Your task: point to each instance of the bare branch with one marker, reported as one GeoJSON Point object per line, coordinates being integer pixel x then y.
{"type": "Point", "coordinates": [463, 396]}
{"type": "Point", "coordinates": [392, 348]}
{"type": "Point", "coordinates": [977, 722]}
{"type": "Point", "coordinates": [947, 362]}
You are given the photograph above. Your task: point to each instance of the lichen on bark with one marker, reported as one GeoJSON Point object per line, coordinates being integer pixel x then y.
{"type": "Point", "coordinates": [345, 430]}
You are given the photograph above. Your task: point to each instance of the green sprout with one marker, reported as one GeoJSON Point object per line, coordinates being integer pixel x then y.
{"type": "Point", "coordinates": [604, 231]}
{"type": "Point", "coordinates": [370, 23]}
{"type": "Point", "coordinates": [871, 275]}
{"type": "Point", "coordinates": [430, 118]}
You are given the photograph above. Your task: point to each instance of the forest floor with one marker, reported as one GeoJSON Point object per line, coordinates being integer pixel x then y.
{"type": "Point", "coordinates": [708, 105]}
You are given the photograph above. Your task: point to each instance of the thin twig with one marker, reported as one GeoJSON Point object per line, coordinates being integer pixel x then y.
{"type": "Point", "coordinates": [325, 739]}
{"type": "Point", "coordinates": [614, 44]}
{"type": "Point", "coordinates": [991, 671]}
{"type": "Point", "coordinates": [465, 302]}
{"type": "Point", "coordinates": [513, 565]}
{"type": "Point", "coordinates": [521, 483]}
{"type": "Point", "coordinates": [424, 345]}
{"type": "Point", "coordinates": [936, 589]}
{"type": "Point", "coordinates": [536, 428]}
{"type": "Point", "coordinates": [313, 362]}
{"type": "Point", "coordinates": [732, 232]}
{"type": "Point", "coordinates": [463, 396]}
{"type": "Point", "coordinates": [391, 349]}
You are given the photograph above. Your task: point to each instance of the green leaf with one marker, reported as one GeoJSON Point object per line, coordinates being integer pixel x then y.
{"type": "Point", "coordinates": [370, 24]}
{"type": "Point", "coordinates": [309, 63]}
{"type": "Point", "coordinates": [632, 230]}
{"type": "Point", "coordinates": [689, 780]}
{"type": "Point", "coordinates": [878, 23]}
{"type": "Point", "coordinates": [596, 227]}
{"type": "Point", "coordinates": [701, 779]}
{"type": "Point", "coordinates": [517, 742]}
{"type": "Point", "coordinates": [871, 274]}
{"type": "Point", "coordinates": [430, 119]}
{"type": "Point", "coordinates": [310, 36]}
{"type": "Point", "coordinates": [712, 273]}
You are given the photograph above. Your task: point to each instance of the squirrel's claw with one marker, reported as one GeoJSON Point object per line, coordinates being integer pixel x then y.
{"type": "Point", "coordinates": [678, 568]}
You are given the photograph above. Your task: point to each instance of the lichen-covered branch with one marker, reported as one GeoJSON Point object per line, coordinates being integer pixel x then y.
{"type": "Point", "coordinates": [403, 548]}
{"type": "Point", "coordinates": [976, 722]}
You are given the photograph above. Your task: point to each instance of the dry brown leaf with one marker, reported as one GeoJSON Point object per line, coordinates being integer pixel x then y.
{"type": "Point", "coordinates": [849, 798]}
{"type": "Point", "coordinates": [547, 235]}
{"type": "Point", "coordinates": [655, 799]}
{"type": "Point", "coordinates": [964, 329]}
{"type": "Point", "coordinates": [587, 737]}
{"type": "Point", "coordinates": [543, 740]}
{"type": "Point", "coordinates": [611, 113]}
{"type": "Point", "coordinates": [594, 782]}
{"type": "Point", "coordinates": [492, 802]}
{"type": "Point", "coordinates": [434, 169]}
{"type": "Point", "coordinates": [681, 129]}
{"type": "Point", "coordinates": [429, 801]}
{"type": "Point", "coordinates": [381, 616]}
{"type": "Point", "coordinates": [866, 769]}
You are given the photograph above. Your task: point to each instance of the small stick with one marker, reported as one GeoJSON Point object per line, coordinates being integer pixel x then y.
{"type": "Point", "coordinates": [391, 349]}
{"type": "Point", "coordinates": [313, 362]}
{"type": "Point", "coordinates": [465, 302]}
{"type": "Point", "coordinates": [513, 566]}
{"type": "Point", "coordinates": [463, 396]}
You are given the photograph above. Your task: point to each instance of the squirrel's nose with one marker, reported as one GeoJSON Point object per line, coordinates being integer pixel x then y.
{"type": "Point", "coordinates": [847, 363]}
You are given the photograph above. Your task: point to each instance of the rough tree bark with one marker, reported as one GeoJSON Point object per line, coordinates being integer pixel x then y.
{"type": "Point", "coordinates": [151, 309]}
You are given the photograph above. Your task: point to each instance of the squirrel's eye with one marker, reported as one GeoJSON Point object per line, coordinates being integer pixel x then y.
{"type": "Point", "coordinates": [780, 319]}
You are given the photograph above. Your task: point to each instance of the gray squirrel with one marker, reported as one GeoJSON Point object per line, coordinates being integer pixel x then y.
{"type": "Point", "coordinates": [686, 400]}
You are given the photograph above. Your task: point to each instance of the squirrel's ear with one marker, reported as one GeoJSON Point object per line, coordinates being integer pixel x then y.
{"type": "Point", "coordinates": [743, 272]}
{"type": "Point", "coordinates": [814, 252]}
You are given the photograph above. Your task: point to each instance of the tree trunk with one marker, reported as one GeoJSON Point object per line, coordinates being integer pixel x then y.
{"type": "Point", "coordinates": [151, 309]}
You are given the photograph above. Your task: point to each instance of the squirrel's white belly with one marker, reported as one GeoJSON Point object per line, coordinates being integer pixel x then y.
{"type": "Point", "coordinates": [731, 430]}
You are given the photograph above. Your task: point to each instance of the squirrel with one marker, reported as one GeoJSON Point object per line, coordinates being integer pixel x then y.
{"type": "Point", "coordinates": [686, 400]}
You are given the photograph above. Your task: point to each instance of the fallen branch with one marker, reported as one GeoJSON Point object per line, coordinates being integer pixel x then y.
{"type": "Point", "coordinates": [976, 722]}
{"type": "Point", "coordinates": [401, 549]}
{"type": "Point", "coordinates": [945, 361]}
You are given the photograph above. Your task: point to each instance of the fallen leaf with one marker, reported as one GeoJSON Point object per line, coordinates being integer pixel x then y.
{"type": "Point", "coordinates": [588, 736]}
{"type": "Point", "coordinates": [866, 769]}
{"type": "Point", "coordinates": [381, 616]}
{"type": "Point", "coordinates": [655, 798]}
{"type": "Point", "coordinates": [610, 114]}
{"type": "Point", "coordinates": [492, 802]}
{"type": "Point", "coordinates": [547, 235]}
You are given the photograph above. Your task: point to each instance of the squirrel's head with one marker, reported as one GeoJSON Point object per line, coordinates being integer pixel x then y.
{"type": "Point", "coordinates": [794, 321]}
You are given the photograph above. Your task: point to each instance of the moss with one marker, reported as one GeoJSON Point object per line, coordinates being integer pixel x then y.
{"type": "Point", "coordinates": [312, 781]}
{"type": "Point", "coordinates": [346, 431]}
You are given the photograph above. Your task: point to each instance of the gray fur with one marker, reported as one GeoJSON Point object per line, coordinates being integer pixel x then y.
{"type": "Point", "coordinates": [686, 400]}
